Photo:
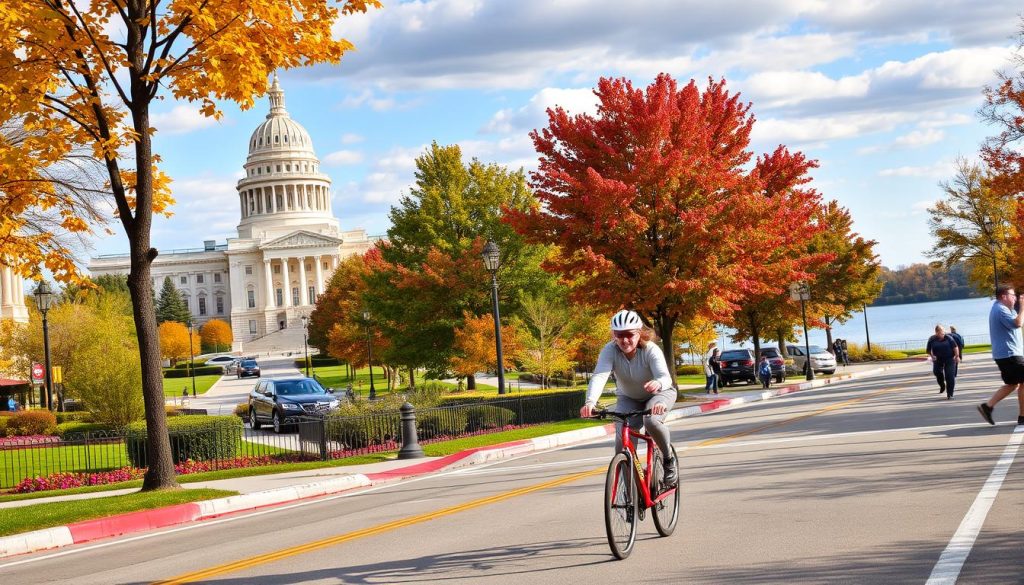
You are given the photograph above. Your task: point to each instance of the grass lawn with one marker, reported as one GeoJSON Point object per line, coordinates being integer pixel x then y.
{"type": "Point", "coordinates": [28, 518]}
{"type": "Point", "coordinates": [173, 386]}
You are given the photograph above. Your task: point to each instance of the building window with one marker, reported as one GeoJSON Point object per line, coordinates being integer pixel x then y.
{"type": "Point", "coordinates": [279, 168]}
{"type": "Point", "coordinates": [277, 270]}
{"type": "Point", "coordinates": [202, 306]}
{"type": "Point", "coordinates": [251, 294]}
{"type": "Point", "coordinates": [327, 267]}
{"type": "Point", "coordinates": [184, 280]}
{"type": "Point", "coordinates": [220, 305]}
{"type": "Point", "coordinates": [248, 270]}
{"type": "Point", "coordinates": [280, 298]}
{"type": "Point", "coordinates": [216, 277]}
{"type": "Point", "coordinates": [295, 296]}
{"type": "Point", "coordinates": [199, 279]}
{"type": "Point", "coordinates": [252, 327]}
{"type": "Point", "coordinates": [312, 295]}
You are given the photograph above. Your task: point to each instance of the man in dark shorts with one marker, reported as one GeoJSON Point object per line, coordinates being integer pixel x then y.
{"type": "Point", "coordinates": [945, 355]}
{"type": "Point", "coordinates": [1004, 329]}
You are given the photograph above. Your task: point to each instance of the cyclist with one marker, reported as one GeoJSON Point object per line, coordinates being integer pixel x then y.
{"type": "Point", "coordinates": [642, 381]}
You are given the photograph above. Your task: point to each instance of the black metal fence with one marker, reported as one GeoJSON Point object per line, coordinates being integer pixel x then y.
{"type": "Point", "coordinates": [309, 439]}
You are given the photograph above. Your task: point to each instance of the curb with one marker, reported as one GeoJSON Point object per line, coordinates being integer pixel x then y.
{"type": "Point", "coordinates": [88, 530]}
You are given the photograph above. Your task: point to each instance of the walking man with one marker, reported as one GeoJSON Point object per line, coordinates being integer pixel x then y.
{"type": "Point", "coordinates": [959, 339]}
{"type": "Point", "coordinates": [945, 354]}
{"type": "Point", "coordinates": [1007, 350]}
{"type": "Point", "coordinates": [709, 370]}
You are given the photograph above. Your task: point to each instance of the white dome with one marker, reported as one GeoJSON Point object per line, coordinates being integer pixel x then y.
{"type": "Point", "coordinates": [279, 133]}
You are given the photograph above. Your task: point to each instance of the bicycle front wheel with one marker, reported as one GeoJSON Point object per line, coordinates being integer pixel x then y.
{"type": "Point", "coordinates": [665, 512]}
{"type": "Point", "coordinates": [620, 516]}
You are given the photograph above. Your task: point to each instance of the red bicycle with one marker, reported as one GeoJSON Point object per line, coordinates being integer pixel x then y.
{"type": "Point", "coordinates": [630, 488]}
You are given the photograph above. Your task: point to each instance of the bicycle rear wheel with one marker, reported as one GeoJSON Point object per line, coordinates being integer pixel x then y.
{"type": "Point", "coordinates": [665, 512]}
{"type": "Point", "coordinates": [620, 517]}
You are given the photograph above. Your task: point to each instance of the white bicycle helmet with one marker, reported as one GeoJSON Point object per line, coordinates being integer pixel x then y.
{"type": "Point", "coordinates": [626, 320]}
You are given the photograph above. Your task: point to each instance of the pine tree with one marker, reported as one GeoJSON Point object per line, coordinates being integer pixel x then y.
{"type": "Point", "coordinates": [170, 306]}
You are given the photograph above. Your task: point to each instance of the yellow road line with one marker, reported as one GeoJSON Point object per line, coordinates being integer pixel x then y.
{"type": "Point", "coordinates": [311, 546]}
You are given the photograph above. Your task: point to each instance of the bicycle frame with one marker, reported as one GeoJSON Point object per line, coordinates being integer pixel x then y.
{"type": "Point", "coordinates": [643, 474]}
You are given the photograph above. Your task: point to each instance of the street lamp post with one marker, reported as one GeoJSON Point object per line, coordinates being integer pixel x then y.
{"type": "Point", "coordinates": [492, 260]}
{"type": "Point", "coordinates": [191, 357]}
{"type": "Point", "coordinates": [305, 344]}
{"type": "Point", "coordinates": [800, 291]}
{"type": "Point", "coordinates": [867, 333]}
{"type": "Point", "coordinates": [369, 354]}
{"type": "Point", "coordinates": [990, 231]}
{"type": "Point", "coordinates": [44, 299]}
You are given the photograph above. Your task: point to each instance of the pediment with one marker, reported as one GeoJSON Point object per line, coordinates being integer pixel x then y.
{"type": "Point", "coordinates": [301, 239]}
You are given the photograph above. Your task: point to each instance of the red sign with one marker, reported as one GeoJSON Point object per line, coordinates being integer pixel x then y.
{"type": "Point", "coordinates": [38, 373]}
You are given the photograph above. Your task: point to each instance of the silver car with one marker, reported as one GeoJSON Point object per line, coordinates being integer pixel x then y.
{"type": "Point", "coordinates": [821, 360]}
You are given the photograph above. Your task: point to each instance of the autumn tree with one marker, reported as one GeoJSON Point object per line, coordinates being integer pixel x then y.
{"type": "Point", "coordinates": [656, 206]}
{"type": "Point", "coordinates": [973, 224]}
{"type": "Point", "coordinates": [216, 333]}
{"type": "Point", "coordinates": [475, 348]}
{"type": "Point", "coordinates": [342, 300]}
{"type": "Point", "coordinates": [547, 346]}
{"type": "Point", "coordinates": [87, 75]}
{"type": "Point", "coordinates": [174, 341]}
{"type": "Point", "coordinates": [695, 335]}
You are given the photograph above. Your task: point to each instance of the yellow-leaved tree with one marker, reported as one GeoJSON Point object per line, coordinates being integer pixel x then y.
{"type": "Point", "coordinates": [78, 74]}
{"type": "Point", "coordinates": [548, 348]}
{"type": "Point", "coordinates": [216, 334]}
{"type": "Point", "coordinates": [475, 349]}
{"type": "Point", "coordinates": [175, 342]}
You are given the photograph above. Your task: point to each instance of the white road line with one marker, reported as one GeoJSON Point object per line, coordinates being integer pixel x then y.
{"type": "Point", "coordinates": [952, 559]}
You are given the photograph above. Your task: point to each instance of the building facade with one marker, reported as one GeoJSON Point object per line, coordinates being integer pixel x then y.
{"type": "Point", "coordinates": [288, 243]}
{"type": "Point", "coordinates": [12, 296]}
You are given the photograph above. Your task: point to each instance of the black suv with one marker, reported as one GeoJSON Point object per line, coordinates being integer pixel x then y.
{"type": "Point", "coordinates": [738, 364]}
{"type": "Point", "coordinates": [777, 363]}
{"type": "Point", "coordinates": [248, 368]}
{"type": "Point", "coordinates": [283, 400]}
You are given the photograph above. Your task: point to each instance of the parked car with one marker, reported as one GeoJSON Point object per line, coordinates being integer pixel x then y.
{"type": "Point", "coordinates": [283, 400]}
{"type": "Point", "coordinates": [738, 364]}
{"type": "Point", "coordinates": [232, 368]}
{"type": "Point", "coordinates": [821, 360]}
{"type": "Point", "coordinates": [221, 360]}
{"type": "Point", "coordinates": [777, 363]}
{"type": "Point", "coordinates": [247, 368]}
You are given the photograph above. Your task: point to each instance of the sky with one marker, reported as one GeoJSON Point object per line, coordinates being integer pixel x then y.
{"type": "Point", "coordinates": [884, 95]}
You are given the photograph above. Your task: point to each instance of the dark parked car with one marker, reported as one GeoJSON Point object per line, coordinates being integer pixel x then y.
{"type": "Point", "coordinates": [738, 364]}
{"type": "Point", "coordinates": [281, 401]}
{"type": "Point", "coordinates": [777, 362]}
{"type": "Point", "coordinates": [248, 368]}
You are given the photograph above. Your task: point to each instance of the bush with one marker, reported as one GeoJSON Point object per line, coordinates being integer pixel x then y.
{"type": "Point", "coordinates": [441, 422]}
{"type": "Point", "coordinates": [361, 423]}
{"type": "Point", "coordinates": [427, 394]}
{"type": "Point", "coordinates": [196, 437]}
{"type": "Point", "coordinates": [242, 410]}
{"type": "Point", "coordinates": [79, 416]}
{"type": "Point", "coordinates": [689, 370]}
{"type": "Point", "coordinates": [25, 423]}
{"type": "Point", "coordinates": [75, 430]}
{"type": "Point", "coordinates": [186, 372]}
{"type": "Point", "coordinates": [859, 353]}
{"type": "Point", "coordinates": [480, 418]}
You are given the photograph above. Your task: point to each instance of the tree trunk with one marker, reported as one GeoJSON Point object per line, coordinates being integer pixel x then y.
{"type": "Point", "coordinates": [828, 333]}
{"type": "Point", "coordinates": [664, 326]}
{"type": "Point", "coordinates": [781, 336]}
{"type": "Point", "coordinates": [412, 378]}
{"type": "Point", "coordinates": [755, 333]}
{"type": "Point", "coordinates": [471, 382]}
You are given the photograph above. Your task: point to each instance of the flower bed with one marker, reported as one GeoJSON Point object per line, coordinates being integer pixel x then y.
{"type": "Point", "coordinates": [28, 441]}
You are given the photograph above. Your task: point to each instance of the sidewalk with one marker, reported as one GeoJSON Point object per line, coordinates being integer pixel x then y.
{"type": "Point", "coordinates": [275, 489]}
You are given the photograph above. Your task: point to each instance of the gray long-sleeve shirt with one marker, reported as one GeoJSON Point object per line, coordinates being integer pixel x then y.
{"type": "Point", "coordinates": [648, 363]}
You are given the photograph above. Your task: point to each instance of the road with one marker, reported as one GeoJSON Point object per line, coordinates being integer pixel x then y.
{"type": "Point", "coordinates": [866, 482]}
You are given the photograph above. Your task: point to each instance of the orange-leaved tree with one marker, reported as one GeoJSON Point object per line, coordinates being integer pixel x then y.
{"type": "Point", "coordinates": [87, 74]}
{"type": "Point", "coordinates": [174, 341]}
{"type": "Point", "coordinates": [215, 334]}
{"type": "Point", "coordinates": [475, 348]}
{"type": "Point", "coordinates": [655, 205]}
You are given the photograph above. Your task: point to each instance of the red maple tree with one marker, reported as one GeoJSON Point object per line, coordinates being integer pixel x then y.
{"type": "Point", "coordinates": [655, 206]}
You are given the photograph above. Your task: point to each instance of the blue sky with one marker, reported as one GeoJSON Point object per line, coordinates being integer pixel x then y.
{"type": "Point", "coordinates": [882, 94]}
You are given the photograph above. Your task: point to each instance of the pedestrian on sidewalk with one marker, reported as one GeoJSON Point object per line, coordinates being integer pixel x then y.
{"type": "Point", "coordinates": [711, 384]}
{"type": "Point", "coordinates": [1004, 325]}
{"type": "Point", "coordinates": [764, 372]}
{"type": "Point", "coordinates": [845, 352]}
{"type": "Point", "coordinates": [959, 339]}
{"type": "Point", "coordinates": [945, 354]}
{"type": "Point", "coordinates": [716, 366]}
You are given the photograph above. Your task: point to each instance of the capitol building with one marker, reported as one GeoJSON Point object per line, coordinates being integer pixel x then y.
{"type": "Point", "coordinates": [288, 243]}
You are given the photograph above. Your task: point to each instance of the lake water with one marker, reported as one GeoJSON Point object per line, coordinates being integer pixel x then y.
{"type": "Point", "coordinates": [909, 326]}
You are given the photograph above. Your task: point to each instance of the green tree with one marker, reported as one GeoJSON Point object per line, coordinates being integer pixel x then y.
{"type": "Point", "coordinates": [547, 348]}
{"type": "Point", "coordinates": [170, 306]}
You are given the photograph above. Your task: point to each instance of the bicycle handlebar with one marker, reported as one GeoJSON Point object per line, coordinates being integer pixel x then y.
{"type": "Point", "coordinates": [619, 415]}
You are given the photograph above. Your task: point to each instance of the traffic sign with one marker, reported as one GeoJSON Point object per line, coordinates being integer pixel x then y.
{"type": "Point", "coordinates": [38, 373]}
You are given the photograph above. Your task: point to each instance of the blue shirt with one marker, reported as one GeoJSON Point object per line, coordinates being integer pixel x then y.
{"type": "Point", "coordinates": [1004, 332]}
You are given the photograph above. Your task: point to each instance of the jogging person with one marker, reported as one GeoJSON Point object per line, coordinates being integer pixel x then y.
{"type": "Point", "coordinates": [1004, 325]}
{"type": "Point", "coordinates": [642, 381]}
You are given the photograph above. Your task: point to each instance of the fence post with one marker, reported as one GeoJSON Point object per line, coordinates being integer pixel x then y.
{"type": "Point", "coordinates": [322, 422]}
{"type": "Point", "coordinates": [410, 445]}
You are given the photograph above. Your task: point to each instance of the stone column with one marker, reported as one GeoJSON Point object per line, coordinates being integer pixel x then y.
{"type": "Point", "coordinates": [303, 290]}
{"type": "Point", "coordinates": [319, 275]}
{"type": "Point", "coordinates": [268, 274]}
{"type": "Point", "coordinates": [286, 289]}
{"type": "Point", "coordinates": [273, 199]}
{"type": "Point", "coordinates": [5, 282]}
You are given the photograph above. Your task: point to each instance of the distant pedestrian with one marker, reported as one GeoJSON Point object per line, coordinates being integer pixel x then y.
{"type": "Point", "coordinates": [764, 372]}
{"type": "Point", "coordinates": [945, 354]}
{"type": "Point", "coordinates": [1004, 325]}
{"type": "Point", "coordinates": [959, 339]}
{"type": "Point", "coordinates": [837, 349]}
{"type": "Point", "coordinates": [12, 404]}
{"type": "Point", "coordinates": [845, 350]}
{"type": "Point", "coordinates": [716, 366]}
{"type": "Point", "coordinates": [711, 383]}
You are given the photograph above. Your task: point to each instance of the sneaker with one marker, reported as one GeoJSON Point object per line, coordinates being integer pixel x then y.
{"type": "Point", "coordinates": [1020, 420]}
{"type": "Point", "coordinates": [942, 389]}
{"type": "Point", "coordinates": [671, 472]}
{"type": "Point", "coordinates": [986, 413]}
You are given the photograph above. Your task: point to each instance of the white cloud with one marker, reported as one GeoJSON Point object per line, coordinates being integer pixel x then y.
{"type": "Point", "coordinates": [939, 170]}
{"type": "Point", "coordinates": [343, 157]}
{"type": "Point", "coordinates": [534, 113]}
{"type": "Point", "coordinates": [784, 88]}
{"type": "Point", "coordinates": [351, 138]}
{"type": "Point", "coordinates": [370, 100]}
{"type": "Point", "coordinates": [919, 138]}
{"type": "Point", "coordinates": [181, 119]}
{"type": "Point", "coordinates": [388, 177]}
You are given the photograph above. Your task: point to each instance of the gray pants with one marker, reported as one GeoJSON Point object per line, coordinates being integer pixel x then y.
{"type": "Point", "coordinates": [654, 424]}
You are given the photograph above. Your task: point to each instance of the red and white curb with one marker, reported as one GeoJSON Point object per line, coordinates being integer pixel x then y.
{"type": "Point", "coordinates": [131, 522]}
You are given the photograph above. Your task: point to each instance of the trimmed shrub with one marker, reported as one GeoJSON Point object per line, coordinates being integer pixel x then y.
{"type": "Point", "coordinates": [481, 418]}
{"type": "Point", "coordinates": [196, 437]}
{"type": "Point", "coordinates": [689, 370]}
{"type": "Point", "coordinates": [79, 416]}
{"type": "Point", "coordinates": [859, 353]}
{"type": "Point", "coordinates": [242, 410]}
{"type": "Point", "coordinates": [361, 424]}
{"type": "Point", "coordinates": [31, 422]}
{"type": "Point", "coordinates": [76, 430]}
{"type": "Point", "coordinates": [186, 372]}
{"type": "Point", "coordinates": [441, 422]}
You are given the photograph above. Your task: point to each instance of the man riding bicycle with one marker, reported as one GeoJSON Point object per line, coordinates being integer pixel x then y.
{"type": "Point", "coordinates": [642, 381]}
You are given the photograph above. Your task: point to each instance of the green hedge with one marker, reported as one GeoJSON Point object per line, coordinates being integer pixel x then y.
{"type": "Point", "coordinates": [77, 416]}
{"type": "Point", "coordinates": [196, 437]}
{"type": "Point", "coordinates": [689, 370]}
{"type": "Point", "coordinates": [440, 422]}
{"type": "Point", "coordinates": [200, 371]}
{"type": "Point", "coordinates": [76, 430]}
{"type": "Point", "coordinates": [481, 418]}
{"type": "Point", "coordinates": [362, 431]}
